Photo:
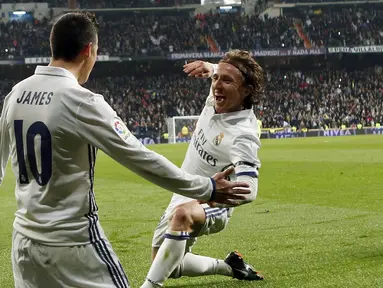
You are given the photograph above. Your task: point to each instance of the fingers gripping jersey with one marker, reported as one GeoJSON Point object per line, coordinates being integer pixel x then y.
{"type": "Point", "coordinates": [52, 128]}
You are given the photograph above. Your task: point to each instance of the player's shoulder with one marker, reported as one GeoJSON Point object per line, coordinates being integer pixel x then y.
{"type": "Point", "coordinates": [79, 95]}
{"type": "Point", "coordinates": [245, 130]}
{"type": "Point", "coordinates": [85, 92]}
{"type": "Point", "coordinates": [246, 123]}
{"type": "Point", "coordinates": [23, 83]}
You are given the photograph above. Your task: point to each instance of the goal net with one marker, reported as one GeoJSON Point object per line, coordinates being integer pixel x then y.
{"type": "Point", "coordinates": [181, 128]}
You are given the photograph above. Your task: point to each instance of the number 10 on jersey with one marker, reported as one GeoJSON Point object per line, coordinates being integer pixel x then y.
{"type": "Point", "coordinates": [37, 128]}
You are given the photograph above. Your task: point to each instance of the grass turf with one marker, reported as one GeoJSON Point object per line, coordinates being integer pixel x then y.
{"type": "Point", "coordinates": [317, 221]}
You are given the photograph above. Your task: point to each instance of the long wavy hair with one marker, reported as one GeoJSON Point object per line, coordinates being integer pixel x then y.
{"type": "Point", "coordinates": [251, 71]}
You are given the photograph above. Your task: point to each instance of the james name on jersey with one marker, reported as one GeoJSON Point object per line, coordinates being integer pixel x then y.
{"type": "Point", "coordinates": [35, 98]}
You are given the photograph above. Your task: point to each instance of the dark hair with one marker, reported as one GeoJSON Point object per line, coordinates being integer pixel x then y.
{"type": "Point", "coordinates": [71, 33]}
{"type": "Point", "coordinates": [251, 71]}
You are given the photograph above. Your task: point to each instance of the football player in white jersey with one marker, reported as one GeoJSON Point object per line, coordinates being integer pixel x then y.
{"type": "Point", "coordinates": [226, 135]}
{"type": "Point", "coordinates": [52, 127]}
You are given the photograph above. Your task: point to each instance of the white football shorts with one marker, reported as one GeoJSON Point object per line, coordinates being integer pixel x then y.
{"type": "Point", "coordinates": [87, 266]}
{"type": "Point", "coordinates": [216, 221]}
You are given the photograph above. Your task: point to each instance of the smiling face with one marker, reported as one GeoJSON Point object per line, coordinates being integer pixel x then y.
{"type": "Point", "coordinates": [228, 88]}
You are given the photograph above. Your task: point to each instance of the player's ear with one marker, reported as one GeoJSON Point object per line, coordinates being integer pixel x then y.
{"type": "Point", "coordinates": [87, 50]}
{"type": "Point", "coordinates": [246, 90]}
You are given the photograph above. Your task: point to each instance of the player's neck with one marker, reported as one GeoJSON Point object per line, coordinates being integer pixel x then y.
{"type": "Point", "coordinates": [230, 111]}
{"type": "Point", "coordinates": [72, 67]}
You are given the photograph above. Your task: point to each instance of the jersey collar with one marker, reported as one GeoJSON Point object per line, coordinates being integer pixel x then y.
{"type": "Point", "coordinates": [54, 71]}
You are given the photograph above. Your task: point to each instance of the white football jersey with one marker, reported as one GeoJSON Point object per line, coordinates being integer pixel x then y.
{"type": "Point", "coordinates": [220, 141]}
{"type": "Point", "coordinates": [52, 128]}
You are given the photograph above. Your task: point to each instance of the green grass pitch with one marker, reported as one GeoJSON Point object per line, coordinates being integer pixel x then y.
{"type": "Point", "coordinates": [324, 227]}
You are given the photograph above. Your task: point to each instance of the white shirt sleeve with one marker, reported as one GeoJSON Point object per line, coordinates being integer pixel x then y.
{"type": "Point", "coordinates": [244, 156]}
{"type": "Point", "coordinates": [4, 144]}
{"type": "Point", "coordinates": [99, 125]}
{"type": "Point", "coordinates": [253, 186]}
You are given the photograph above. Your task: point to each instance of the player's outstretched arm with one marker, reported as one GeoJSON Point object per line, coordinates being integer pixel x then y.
{"type": "Point", "coordinates": [199, 69]}
{"type": "Point", "coordinates": [99, 125]}
{"type": "Point", "coordinates": [4, 144]}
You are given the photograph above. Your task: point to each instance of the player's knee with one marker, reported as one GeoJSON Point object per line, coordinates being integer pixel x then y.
{"type": "Point", "coordinates": [182, 214]}
{"type": "Point", "coordinates": [182, 218]}
{"type": "Point", "coordinates": [176, 273]}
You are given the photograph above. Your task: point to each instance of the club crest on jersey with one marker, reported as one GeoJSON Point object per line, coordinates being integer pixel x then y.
{"type": "Point", "coordinates": [121, 130]}
{"type": "Point", "coordinates": [218, 139]}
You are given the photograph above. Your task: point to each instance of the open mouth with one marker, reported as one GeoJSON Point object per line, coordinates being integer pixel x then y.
{"type": "Point", "coordinates": [219, 99]}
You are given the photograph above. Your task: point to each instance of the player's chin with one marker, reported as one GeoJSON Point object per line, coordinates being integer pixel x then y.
{"type": "Point", "coordinates": [220, 108]}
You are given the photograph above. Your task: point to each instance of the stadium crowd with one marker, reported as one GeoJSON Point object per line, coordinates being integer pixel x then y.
{"type": "Point", "coordinates": [323, 98]}
{"type": "Point", "coordinates": [160, 33]}
{"type": "Point", "coordinates": [97, 4]}
{"type": "Point", "coordinates": [312, 100]}
{"type": "Point", "coordinates": [144, 103]}
{"type": "Point", "coordinates": [341, 25]}
{"type": "Point", "coordinates": [314, 1]}
{"type": "Point", "coordinates": [134, 3]}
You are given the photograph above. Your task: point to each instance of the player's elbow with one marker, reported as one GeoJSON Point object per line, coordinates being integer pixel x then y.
{"type": "Point", "coordinates": [248, 198]}
{"type": "Point", "coordinates": [252, 196]}
{"type": "Point", "coordinates": [253, 185]}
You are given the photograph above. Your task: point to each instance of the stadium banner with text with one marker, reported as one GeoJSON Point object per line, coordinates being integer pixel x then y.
{"type": "Point", "coordinates": [323, 133]}
{"type": "Point", "coordinates": [256, 53]}
{"type": "Point", "coordinates": [46, 60]}
{"type": "Point", "coordinates": [356, 49]}
{"type": "Point", "coordinates": [148, 140]}
{"type": "Point", "coordinates": [281, 52]}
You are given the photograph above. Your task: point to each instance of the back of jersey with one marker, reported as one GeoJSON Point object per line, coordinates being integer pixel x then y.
{"type": "Point", "coordinates": [52, 164]}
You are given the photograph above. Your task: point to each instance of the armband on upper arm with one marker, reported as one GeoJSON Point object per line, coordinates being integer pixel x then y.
{"type": "Point", "coordinates": [248, 172]}
{"type": "Point", "coordinates": [239, 163]}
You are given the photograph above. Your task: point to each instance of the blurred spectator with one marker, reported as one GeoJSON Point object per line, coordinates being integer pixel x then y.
{"type": "Point", "coordinates": [5, 87]}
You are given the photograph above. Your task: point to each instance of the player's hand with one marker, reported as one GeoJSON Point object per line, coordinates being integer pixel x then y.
{"type": "Point", "coordinates": [229, 192]}
{"type": "Point", "coordinates": [199, 69]}
{"type": "Point", "coordinates": [215, 204]}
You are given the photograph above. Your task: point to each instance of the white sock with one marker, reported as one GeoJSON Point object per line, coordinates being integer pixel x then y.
{"type": "Point", "coordinates": [168, 258]}
{"type": "Point", "coordinates": [195, 265]}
